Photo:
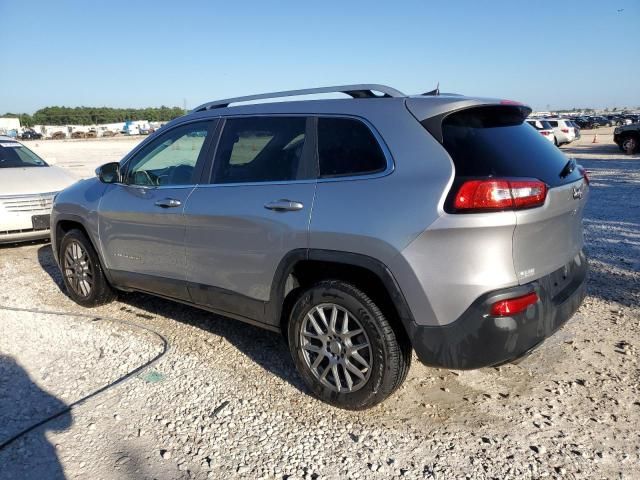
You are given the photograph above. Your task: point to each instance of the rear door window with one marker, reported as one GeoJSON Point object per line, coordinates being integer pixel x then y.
{"type": "Point", "coordinates": [347, 146]}
{"type": "Point", "coordinates": [263, 149]}
{"type": "Point", "coordinates": [495, 142]}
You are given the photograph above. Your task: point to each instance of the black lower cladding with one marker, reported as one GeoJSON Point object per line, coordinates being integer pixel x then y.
{"type": "Point", "coordinates": [477, 339]}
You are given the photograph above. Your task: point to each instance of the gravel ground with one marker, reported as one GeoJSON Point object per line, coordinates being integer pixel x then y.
{"type": "Point", "coordinates": [226, 400]}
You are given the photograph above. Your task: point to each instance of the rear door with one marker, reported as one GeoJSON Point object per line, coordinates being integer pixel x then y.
{"type": "Point", "coordinates": [255, 209]}
{"type": "Point", "coordinates": [494, 142]}
{"type": "Point", "coordinates": [141, 220]}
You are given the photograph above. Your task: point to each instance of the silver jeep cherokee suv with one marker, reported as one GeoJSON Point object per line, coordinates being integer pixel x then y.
{"type": "Point", "coordinates": [361, 228]}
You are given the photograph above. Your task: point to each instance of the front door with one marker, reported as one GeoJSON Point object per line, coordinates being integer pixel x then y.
{"type": "Point", "coordinates": [141, 220]}
{"type": "Point", "coordinates": [255, 210]}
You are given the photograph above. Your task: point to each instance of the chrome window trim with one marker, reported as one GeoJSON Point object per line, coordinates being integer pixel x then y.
{"type": "Point", "coordinates": [390, 167]}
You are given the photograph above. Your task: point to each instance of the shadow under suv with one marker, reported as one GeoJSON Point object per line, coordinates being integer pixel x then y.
{"type": "Point", "coordinates": [361, 228]}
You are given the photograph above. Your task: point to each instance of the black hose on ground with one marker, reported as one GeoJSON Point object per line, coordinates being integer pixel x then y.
{"type": "Point", "coordinates": [124, 378]}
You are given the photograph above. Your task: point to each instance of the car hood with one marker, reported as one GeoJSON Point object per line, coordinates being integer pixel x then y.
{"type": "Point", "coordinates": [30, 180]}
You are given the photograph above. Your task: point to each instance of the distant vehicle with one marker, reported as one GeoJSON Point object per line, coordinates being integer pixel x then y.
{"type": "Point", "coordinates": [563, 130]}
{"type": "Point", "coordinates": [584, 123]}
{"type": "Point", "coordinates": [545, 129]}
{"type": "Point", "coordinates": [31, 135]}
{"type": "Point", "coordinates": [27, 187]}
{"type": "Point", "coordinates": [615, 120]}
{"type": "Point", "coordinates": [58, 135]}
{"type": "Point", "coordinates": [599, 121]}
{"type": "Point", "coordinates": [108, 133]}
{"type": "Point", "coordinates": [576, 127]}
{"type": "Point", "coordinates": [627, 137]}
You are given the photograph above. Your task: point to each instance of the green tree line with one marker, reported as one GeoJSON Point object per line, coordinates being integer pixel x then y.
{"type": "Point", "coordinates": [93, 115]}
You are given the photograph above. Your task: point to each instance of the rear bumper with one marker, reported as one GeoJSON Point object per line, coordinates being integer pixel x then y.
{"type": "Point", "coordinates": [477, 339]}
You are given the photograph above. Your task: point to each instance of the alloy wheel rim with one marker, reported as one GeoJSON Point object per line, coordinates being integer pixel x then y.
{"type": "Point", "coordinates": [629, 145]}
{"type": "Point", "coordinates": [77, 269]}
{"type": "Point", "coordinates": [336, 348]}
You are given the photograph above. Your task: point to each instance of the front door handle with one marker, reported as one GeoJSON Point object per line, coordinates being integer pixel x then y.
{"type": "Point", "coordinates": [284, 205]}
{"type": "Point", "coordinates": [168, 203]}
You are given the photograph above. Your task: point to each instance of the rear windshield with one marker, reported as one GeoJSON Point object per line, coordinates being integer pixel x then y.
{"type": "Point", "coordinates": [495, 142]}
{"type": "Point", "coordinates": [16, 155]}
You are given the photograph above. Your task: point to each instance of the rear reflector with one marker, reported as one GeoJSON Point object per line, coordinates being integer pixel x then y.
{"type": "Point", "coordinates": [498, 194]}
{"type": "Point", "coordinates": [513, 306]}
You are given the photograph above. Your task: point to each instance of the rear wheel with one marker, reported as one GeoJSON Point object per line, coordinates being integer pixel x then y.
{"type": "Point", "coordinates": [82, 272]}
{"type": "Point", "coordinates": [344, 347]}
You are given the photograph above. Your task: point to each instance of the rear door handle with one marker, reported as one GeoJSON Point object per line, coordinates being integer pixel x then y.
{"type": "Point", "coordinates": [168, 203]}
{"type": "Point", "coordinates": [284, 205]}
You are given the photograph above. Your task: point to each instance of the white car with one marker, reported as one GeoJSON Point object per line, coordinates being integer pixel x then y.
{"type": "Point", "coordinates": [543, 127]}
{"type": "Point", "coordinates": [563, 130]}
{"type": "Point", "coordinates": [27, 187]}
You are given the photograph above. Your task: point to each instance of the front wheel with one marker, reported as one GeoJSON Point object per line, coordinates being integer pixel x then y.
{"type": "Point", "coordinates": [82, 272]}
{"type": "Point", "coordinates": [630, 145]}
{"type": "Point", "coordinates": [343, 346]}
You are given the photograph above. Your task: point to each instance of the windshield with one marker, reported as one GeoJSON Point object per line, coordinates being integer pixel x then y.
{"type": "Point", "coordinates": [16, 155]}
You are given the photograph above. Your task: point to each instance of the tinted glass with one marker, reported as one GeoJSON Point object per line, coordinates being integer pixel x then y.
{"type": "Point", "coordinates": [535, 124]}
{"type": "Point", "coordinates": [16, 155]}
{"type": "Point", "coordinates": [553, 123]}
{"type": "Point", "coordinates": [494, 142]}
{"type": "Point", "coordinates": [170, 159]}
{"type": "Point", "coordinates": [348, 147]}
{"type": "Point", "coordinates": [262, 149]}
{"type": "Point", "coordinates": [545, 125]}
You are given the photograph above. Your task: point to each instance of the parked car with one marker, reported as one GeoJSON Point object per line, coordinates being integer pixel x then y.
{"type": "Point", "coordinates": [599, 121]}
{"type": "Point", "coordinates": [30, 135]}
{"type": "Point", "coordinates": [360, 228]}
{"type": "Point", "coordinates": [544, 128]}
{"type": "Point", "coordinates": [59, 135]}
{"type": "Point", "coordinates": [563, 130]}
{"type": "Point", "coordinates": [615, 120]}
{"type": "Point", "coordinates": [627, 137]}
{"type": "Point", "coordinates": [576, 129]}
{"type": "Point", "coordinates": [27, 187]}
{"type": "Point", "coordinates": [584, 123]}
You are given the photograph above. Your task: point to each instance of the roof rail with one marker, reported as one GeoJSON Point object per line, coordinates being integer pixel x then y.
{"type": "Point", "coordinates": [356, 91]}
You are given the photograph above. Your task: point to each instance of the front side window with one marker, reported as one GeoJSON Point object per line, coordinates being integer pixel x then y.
{"type": "Point", "coordinates": [170, 159]}
{"type": "Point", "coordinates": [263, 149]}
{"type": "Point", "coordinates": [348, 147]}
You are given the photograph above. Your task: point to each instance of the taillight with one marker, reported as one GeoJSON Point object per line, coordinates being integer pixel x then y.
{"type": "Point", "coordinates": [499, 194]}
{"type": "Point", "coordinates": [513, 306]}
{"type": "Point", "coordinates": [564, 130]}
{"type": "Point", "coordinates": [544, 133]}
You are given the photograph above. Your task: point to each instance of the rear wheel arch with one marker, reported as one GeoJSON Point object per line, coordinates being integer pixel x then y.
{"type": "Point", "coordinates": [302, 269]}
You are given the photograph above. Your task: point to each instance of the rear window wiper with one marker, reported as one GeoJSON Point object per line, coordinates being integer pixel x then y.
{"type": "Point", "coordinates": [569, 167]}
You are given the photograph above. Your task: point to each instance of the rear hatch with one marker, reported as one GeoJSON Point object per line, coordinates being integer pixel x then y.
{"type": "Point", "coordinates": [493, 142]}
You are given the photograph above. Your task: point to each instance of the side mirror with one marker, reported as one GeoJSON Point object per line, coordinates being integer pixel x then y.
{"type": "Point", "coordinates": [109, 173]}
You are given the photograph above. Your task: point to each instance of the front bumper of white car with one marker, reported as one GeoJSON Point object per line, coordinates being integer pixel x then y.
{"type": "Point", "coordinates": [25, 217]}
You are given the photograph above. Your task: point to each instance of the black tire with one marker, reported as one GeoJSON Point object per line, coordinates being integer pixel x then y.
{"type": "Point", "coordinates": [100, 292]}
{"type": "Point", "coordinates": [388, 351]}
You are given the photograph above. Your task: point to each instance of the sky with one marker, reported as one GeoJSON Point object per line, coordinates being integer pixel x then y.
{"type": "Point", "coordinates": [549, 54]}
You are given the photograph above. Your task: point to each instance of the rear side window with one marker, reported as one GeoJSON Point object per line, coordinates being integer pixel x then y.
{"type": "Point", "coordinates": [348, 147]}
{"type": "Point", "coordinates": [263, 149]}
{"type": "Point", "coordinates": [495, 142]}
{"type": "Point", "coordinates": [553, 123]}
